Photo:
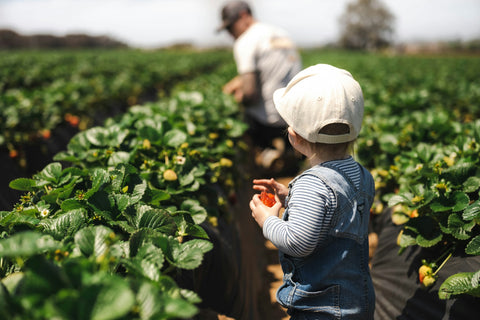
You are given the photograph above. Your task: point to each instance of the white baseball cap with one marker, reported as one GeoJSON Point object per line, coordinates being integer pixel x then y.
{"type": "Point", "coordinates": [318, 96]}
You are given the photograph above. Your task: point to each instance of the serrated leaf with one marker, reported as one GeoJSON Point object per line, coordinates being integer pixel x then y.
{"type": "Point", "coordinates": [459, 229]}
{"type": "Point", "coordinates": [476, 279]}
{"type": "Point", "coordinates": [178, 308]}
{"type": "Point", "coordinates": [52, 172]}
{"type": "Point", "coordinates": [147, 262]}
{"type": "Point", "coordinates": [27, 244]}
{"type": "Point", "coordinates": [109, 297]}
{"type": "Point", "coordinates": [427, 230]}
{"type": "Point", "coordinates": [106, 137]}
{"type": "Point", "coordinates": [458, 173]}
{"type": "Point", "coordinates": [92, 240]}
{"type": "Point", "coordinates": [149, 301]}
{"type": "Point", "coordinates": [156, 219]}
{"type": "Point", "coordinates": [189, 255]}
{"type": "Point", "coordinates": [27, 217]}
{"type": "Point", "coordinates": [398, 199]}
{"type": "Point", "coordinates": [67, 224]}
{"type": "Point", "coordinates": [43, 276]}
{"type": "Point", "coordinates": [456, 284]}
{"type": "Point", "coordinates": [99, 178]}
{"type": "Point", "coordinates": [23, 184]}
{"type": "Point", "coordinates": [473, 247]}
{"type": "Point", "coordinates": [118, 158]}
{"type": "Point", "coordinates": [197, 211]}
{"type": "Point", "coordinates": [157, 196]}
{"type": "Point", "coordinates": [406, 239]}
{"type": "Point", "coordinates": [174, 138]}
{"type": "Point", "coordinates": [472, 184]}
{"type": "Point", "coordinates": [472, 211]}
{"type": "Point", "coordinates": [461, 201]}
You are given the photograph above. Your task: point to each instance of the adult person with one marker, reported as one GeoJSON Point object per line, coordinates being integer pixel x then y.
{"type": "Point", "coordinates": [266, 60]}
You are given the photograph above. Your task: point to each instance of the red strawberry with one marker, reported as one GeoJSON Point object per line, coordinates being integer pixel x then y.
{"type": "Point", "coordinates": [267, 198]}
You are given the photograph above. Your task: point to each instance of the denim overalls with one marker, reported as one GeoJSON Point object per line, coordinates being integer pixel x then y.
{"type": "Point", "coordinates": [334, 281]}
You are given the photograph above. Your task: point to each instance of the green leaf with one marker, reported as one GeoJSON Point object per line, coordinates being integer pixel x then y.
{"type": "Point", "coordinates": [103, 204]}
{"type": "Point", "coordinates": [438, 206]}
{"type": "Point", "coordinates": [72, 204]}
{"type": "Point", "coordinates": [112, 136]}
{"type": "Point", "coordinates": [398, 199]}
{"type": "Point", "coordinates": [43, 277]}
{"type": "Point", "coordinates": [149, 301]}
{"type": "Point", "coordinates": [174, 138]}
{"type": "Point", "coordinates": [187, 227]}
{"type": "Point", "coordinates": [50, 173]}
{"type": "Point", "coordinates": [157, 219]}
{"type": "Point", "coordinates": [196, 210]}
{"type": "Point", "coordinates": [461, 200]}
{"type": "Point", "coordinates": [147, 132]}
{"type": "Point", "coordinates": [118, 158]}
{"type": "Point", "coordinates": [26, 218]}
{"type": "Point", "coordinates": [92, 240]}
{"type": "Point", "coordinates": [67, 224]}
{"type": "Point", "coordinates": [27, 244]}
{"type": "Point", "coordinates": [157, 196]}
{"type": "Point", "coordinates": [147, 262]}
{"type": "Point", "coordinates": [472, 211]}
{"type": "Point", "coordinates": [473, 247]}
{"type": "Point", "coordinates": [459, 229]}
{"type": "Point", "coordinates": [459, 283]}
{"type": "Point", "coordinates": [178, 308]}
{"type": "Point", "coordinates": [99, 178]}
{"type": "Point", "coordinates": [189, 255]}
{"type": "Point", "coordinates": [107, 297]}
{"type": "Point", "coordinates": [472, 184]}
{"type": "Point", "coordinates": [407, 239]}
{"type": "Point", "coordinates": [427, 229]}
{"type": "Point", "coordinates": [459, 172]}
{"type": "Point", "coordinates": [23, 184]}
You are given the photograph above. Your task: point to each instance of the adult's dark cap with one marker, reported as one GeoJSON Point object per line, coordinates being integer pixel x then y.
{"type": "Point", "coordinates": [231, 12]}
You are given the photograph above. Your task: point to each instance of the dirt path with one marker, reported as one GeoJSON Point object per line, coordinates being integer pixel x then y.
{"type": "Point", "coordinates": [275, 270]}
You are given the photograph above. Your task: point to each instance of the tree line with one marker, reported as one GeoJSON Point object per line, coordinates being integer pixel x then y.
{"type": "Point", "coordinates": [10, 39]}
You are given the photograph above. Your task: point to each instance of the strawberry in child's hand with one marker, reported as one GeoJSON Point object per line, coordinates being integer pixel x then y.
{"type": "Point", "coordinates": [267, 198]}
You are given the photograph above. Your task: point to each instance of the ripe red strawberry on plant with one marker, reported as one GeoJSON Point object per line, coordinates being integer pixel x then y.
{"type": "Point", "coordinates": [267, 198]}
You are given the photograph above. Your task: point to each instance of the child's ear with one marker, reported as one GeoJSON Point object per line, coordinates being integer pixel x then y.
{"type": "Point", "coordinates": [291, 132]}
{"type": "Point", "coordinates": [295, 138]}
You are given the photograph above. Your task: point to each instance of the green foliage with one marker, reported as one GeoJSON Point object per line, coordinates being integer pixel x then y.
{"type": "Point", "coordinates": [102, 232]}
{"type": "Point", "coordinates": [421, 140]}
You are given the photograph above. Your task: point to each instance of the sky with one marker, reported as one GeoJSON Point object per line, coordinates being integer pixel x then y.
{"type": "Point", "coordinates": [159, 23]}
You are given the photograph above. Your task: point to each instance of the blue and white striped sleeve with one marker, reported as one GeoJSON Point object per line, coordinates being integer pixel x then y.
{"type": "Point", "coordinates": [310, 210]}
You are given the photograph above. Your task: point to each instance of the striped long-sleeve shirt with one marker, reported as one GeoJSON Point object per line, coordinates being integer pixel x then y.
{"type": "Point", "coordinates": [311, 205]}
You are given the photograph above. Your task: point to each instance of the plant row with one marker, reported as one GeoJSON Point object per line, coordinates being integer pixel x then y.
{"type": "Point", "coordinates": [102, 231]}
{"type": "Point", "coordinates": [39, 90]}
{"type": "Point", "coordinates": [421, 141]}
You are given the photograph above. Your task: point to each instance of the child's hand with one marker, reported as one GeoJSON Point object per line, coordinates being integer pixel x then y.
{"type": "Point", "coordinates": [272, 186]}
{"type": "Point", "coordinates": [260, 212]}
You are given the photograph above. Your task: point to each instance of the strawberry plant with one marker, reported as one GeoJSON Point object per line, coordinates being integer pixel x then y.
{"type": "Point", "coordinates": [105, 235]}
{"type": "Point", "coordinates": [441, 185]}
{"type": "Point", "coordinates": [42, 90]}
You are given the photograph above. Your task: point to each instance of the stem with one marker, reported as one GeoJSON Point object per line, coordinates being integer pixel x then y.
{"type": "Point", "coordinates": [444, 261]}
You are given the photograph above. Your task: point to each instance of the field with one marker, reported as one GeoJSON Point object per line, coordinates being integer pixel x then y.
{"type": "Point", "coordinates": [127, 172]}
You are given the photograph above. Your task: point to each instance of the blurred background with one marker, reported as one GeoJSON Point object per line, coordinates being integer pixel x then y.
{"type": "Point", "coordinates": [152, 24]}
